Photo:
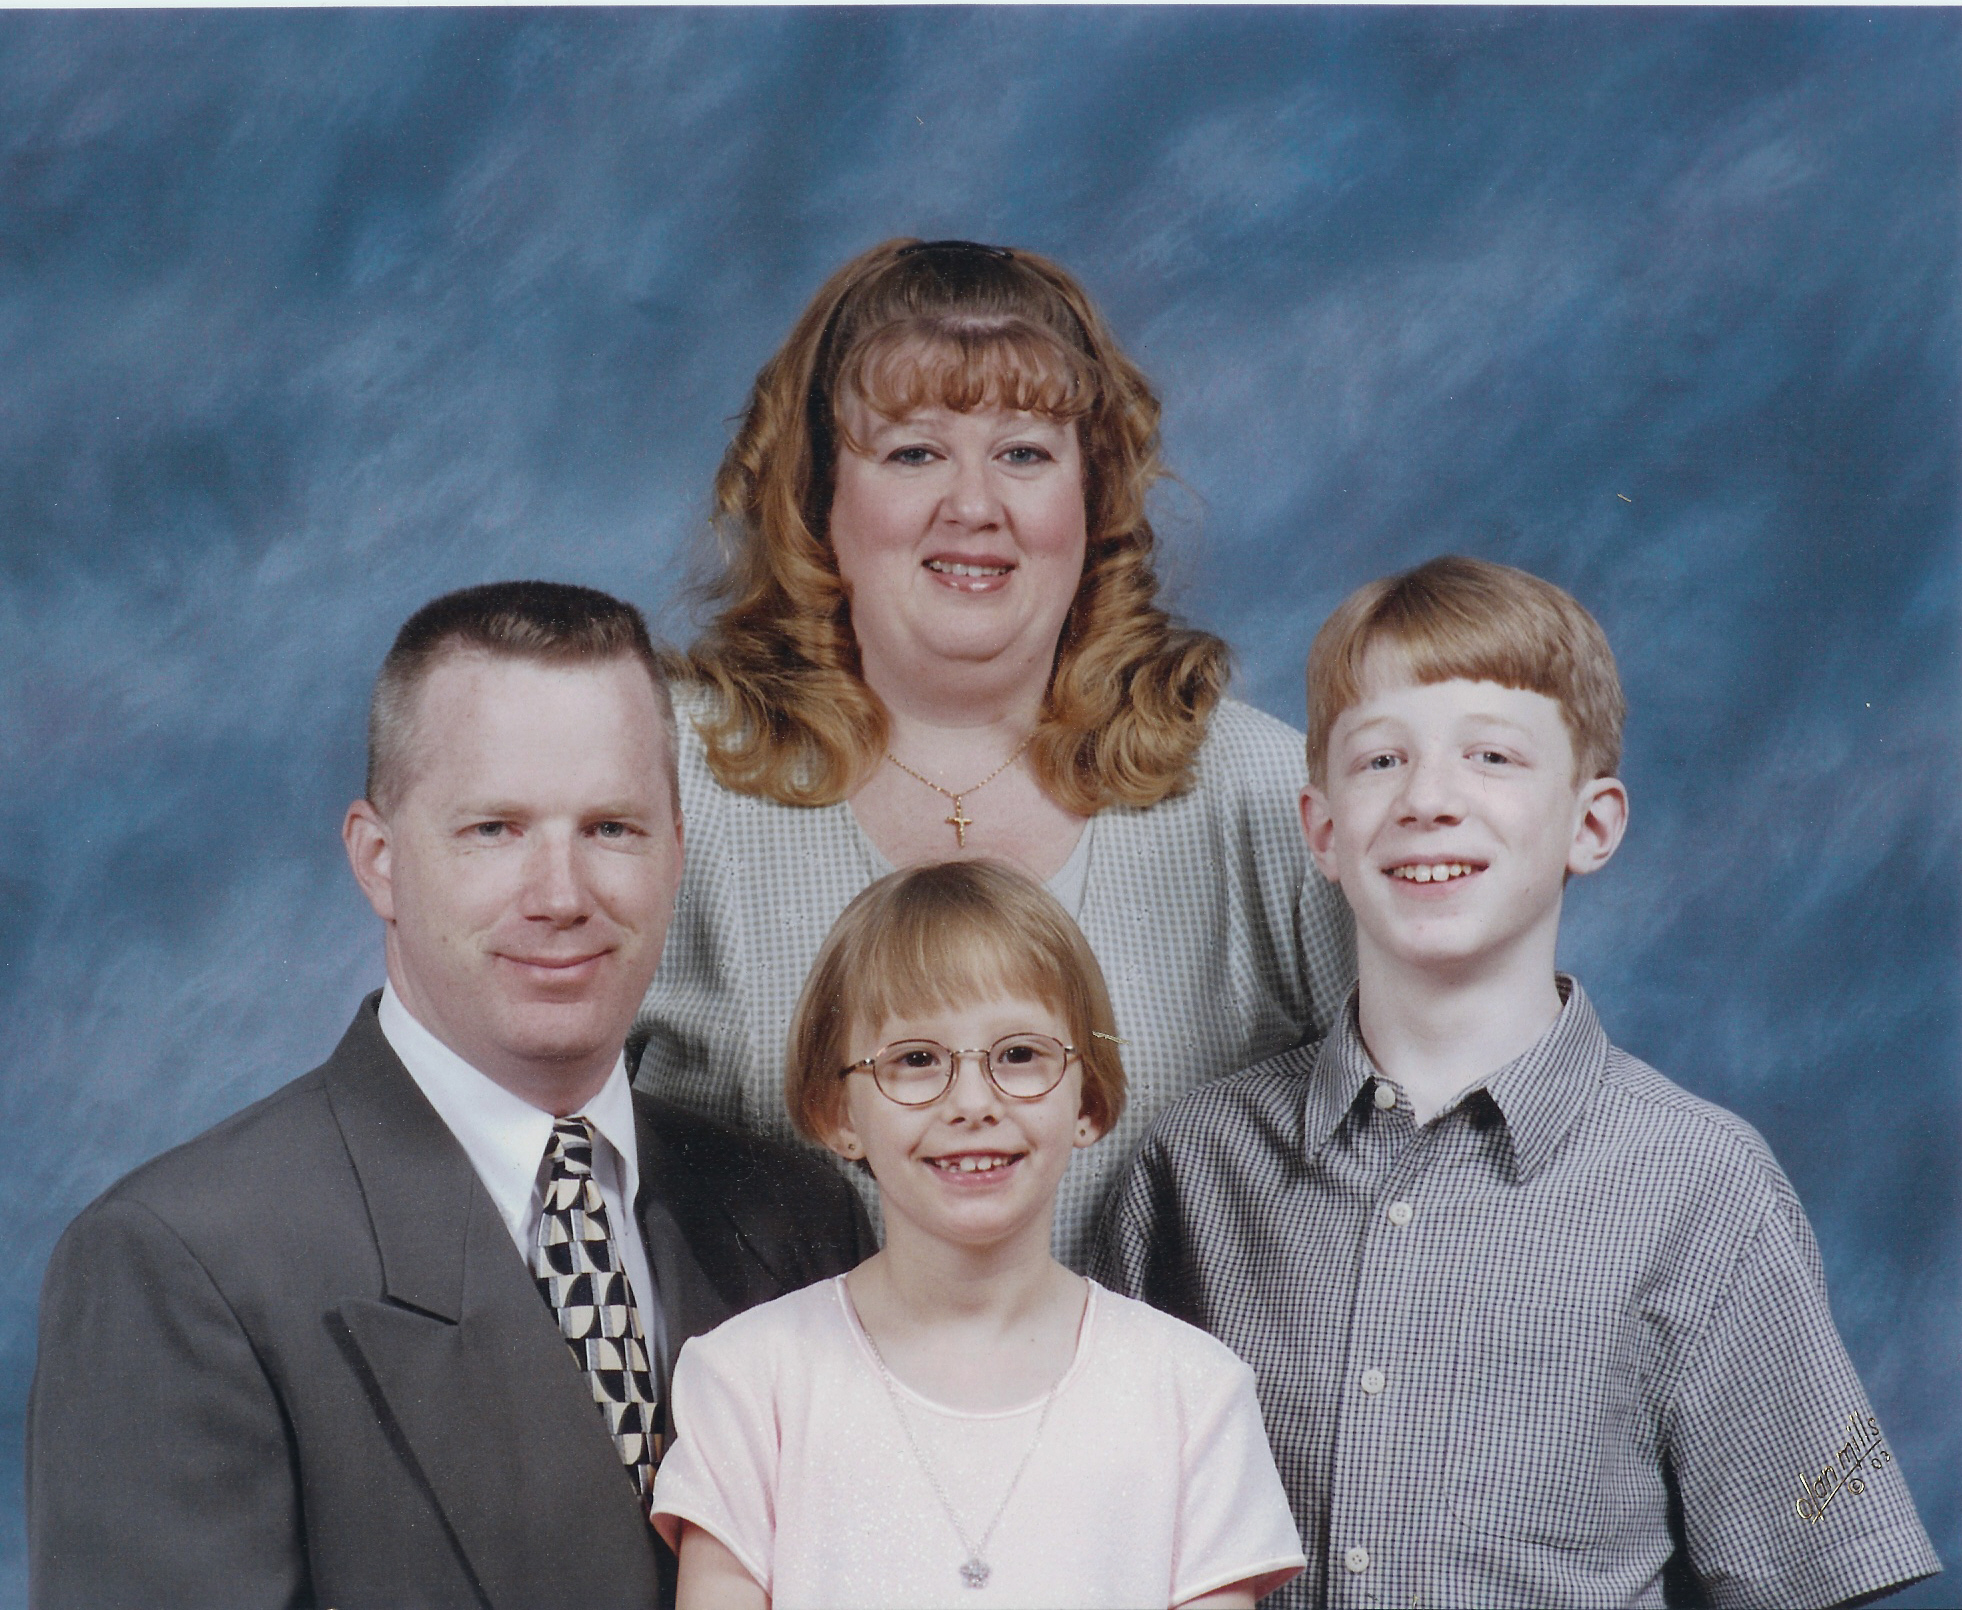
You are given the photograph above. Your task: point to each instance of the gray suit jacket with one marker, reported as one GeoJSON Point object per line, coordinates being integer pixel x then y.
{"type": "Point", "coordinates": [297, 1361]}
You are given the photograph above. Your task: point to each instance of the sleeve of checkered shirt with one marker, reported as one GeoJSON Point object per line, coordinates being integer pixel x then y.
{"type": "Point", "coordinates": [1769, 1398]}
{"type": "Point", "coordinates": [1141, 1214]}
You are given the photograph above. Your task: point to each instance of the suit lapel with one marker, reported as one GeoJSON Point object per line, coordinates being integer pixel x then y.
{"type": "Point", "coordinates": [672, 1230]}
{"type": "Point", "coordinates": [690, 1304]}
{"type": "Point", "coordinates": [465, 1360]}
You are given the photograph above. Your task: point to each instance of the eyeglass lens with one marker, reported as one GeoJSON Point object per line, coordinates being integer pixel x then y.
{"type": "Point", "coordinates": [1022, 1066]}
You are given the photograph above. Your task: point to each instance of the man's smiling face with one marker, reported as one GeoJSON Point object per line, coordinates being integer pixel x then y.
{"type": "Point", "coordinates": [1451, 817]}
{"type": "Point", "coordinates": [527, 872]}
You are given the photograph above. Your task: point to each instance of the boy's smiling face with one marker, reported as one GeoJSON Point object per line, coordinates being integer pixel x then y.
{"type": "Point", "coordinates": [1450, 815]}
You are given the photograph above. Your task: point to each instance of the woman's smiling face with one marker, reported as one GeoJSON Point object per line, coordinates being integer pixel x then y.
{"type": "Point", "coordinates": [975, 1168]}
{"type": "Point", "coordinates": [959, 536]}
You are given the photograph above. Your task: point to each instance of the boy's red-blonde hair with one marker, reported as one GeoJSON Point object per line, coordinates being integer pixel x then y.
{"type": "Point", "coordinates": [1455, 617]}
{"type": "Point", "coordinates": [939, 936]}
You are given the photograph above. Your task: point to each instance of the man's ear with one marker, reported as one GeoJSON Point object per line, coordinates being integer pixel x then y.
{"type": "Point", "coordinates": [367, 839]}
{"type": "Point", "coordinates": [1318, 827]}
{"type": "Point", "coordinates": [1600, 819]}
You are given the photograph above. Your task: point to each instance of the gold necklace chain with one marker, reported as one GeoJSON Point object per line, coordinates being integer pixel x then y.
{"type": "Point", "coordinates": [959, 821]}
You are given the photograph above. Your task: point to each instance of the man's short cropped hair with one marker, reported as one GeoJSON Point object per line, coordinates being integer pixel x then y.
{"type": "Point", "coordinates": [942, 936]}
{"type": "Point", "coordinates": [547, 622]}
{"type": "Point", "coordinates": [1456, 617]}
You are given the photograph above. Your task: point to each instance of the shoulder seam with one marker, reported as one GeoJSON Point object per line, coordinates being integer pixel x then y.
{"type": "Point", "coordinates": [1724, 1126]}
{"type": "Point", "coordinates": [1252, 720]}
{"type": "Point", "coordinates": [116, 1198]}
{"type": "Point", "coordinates": [1747, 1246]}
{"type": "Point", "coordinates": [1293, 1064]}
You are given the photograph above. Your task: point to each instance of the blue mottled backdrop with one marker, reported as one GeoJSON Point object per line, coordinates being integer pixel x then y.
{"type": "Point", "coordinates": [305, 317]}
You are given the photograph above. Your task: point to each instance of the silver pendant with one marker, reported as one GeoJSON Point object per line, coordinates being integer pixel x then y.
{"type": "Point", "coordinates": [975, 1572]}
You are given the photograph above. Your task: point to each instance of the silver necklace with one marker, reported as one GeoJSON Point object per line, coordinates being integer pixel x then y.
{"type": "Point", "coordinates": [960, 821]}
{"type": "Point", "coordinates": [974, 1569]}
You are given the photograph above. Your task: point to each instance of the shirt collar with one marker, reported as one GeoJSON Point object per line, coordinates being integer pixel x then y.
{"type": "Point", "coordinates": [1342, 1068]}
{"type": "Point", "coordinates": [1538, 1095]}
{"type": "Point", "coordinates": [504, 1135]}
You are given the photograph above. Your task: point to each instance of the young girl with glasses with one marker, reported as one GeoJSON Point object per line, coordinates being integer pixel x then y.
{"type": "Point", "coordinates": [961, 1420]}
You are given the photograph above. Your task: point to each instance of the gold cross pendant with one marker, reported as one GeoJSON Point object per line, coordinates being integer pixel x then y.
{"type": "Point", "coordinates": [960, 823]}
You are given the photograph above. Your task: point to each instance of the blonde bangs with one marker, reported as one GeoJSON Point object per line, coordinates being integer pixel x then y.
{"type": "Point", "coordinates": [941, 937]}
{"type": "Point", "coordinates": [1013, 365]}
{"type": "Point", "coordinates": [1455, 618]}
{"type": "Point", "coordinates": [915, 970]}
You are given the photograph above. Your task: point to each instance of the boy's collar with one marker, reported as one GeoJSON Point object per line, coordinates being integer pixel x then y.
{"type": "Point", "coordinates": [1537, 1095]}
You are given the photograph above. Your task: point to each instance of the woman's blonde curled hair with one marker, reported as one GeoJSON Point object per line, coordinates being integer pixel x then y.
{"type": "Point", "coordinates": [963, 326]}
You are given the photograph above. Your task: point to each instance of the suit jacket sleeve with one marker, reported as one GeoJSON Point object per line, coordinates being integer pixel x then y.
{"type": "Point", "coordinates": [178, 1486]}
{"type": "Point", "coordinates": [850, 1240]}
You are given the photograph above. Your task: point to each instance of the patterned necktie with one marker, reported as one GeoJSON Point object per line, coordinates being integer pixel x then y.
{"type": "Point", "coordinates": [576, 1263]}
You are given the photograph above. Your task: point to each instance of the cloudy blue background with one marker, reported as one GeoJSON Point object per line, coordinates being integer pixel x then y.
{"type": "Point", "coordinates": [306, 317]}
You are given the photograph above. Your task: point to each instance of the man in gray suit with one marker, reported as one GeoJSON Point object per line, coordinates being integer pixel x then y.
{"type": "Point", "coordinates": [400, 1333]}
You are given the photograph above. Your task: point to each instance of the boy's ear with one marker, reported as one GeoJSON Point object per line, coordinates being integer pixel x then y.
{"type": "Point", "coordinates": [1600, 819]}
{"type": "Point", "coordinates": [1318, 827]}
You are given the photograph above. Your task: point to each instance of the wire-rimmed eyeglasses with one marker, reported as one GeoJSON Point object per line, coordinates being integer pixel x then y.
{"type": "Point", "coordinates": [917, 1073]}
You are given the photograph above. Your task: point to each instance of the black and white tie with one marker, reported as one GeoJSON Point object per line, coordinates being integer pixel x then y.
{"type": "Point", "coordinates": [577, 1265]}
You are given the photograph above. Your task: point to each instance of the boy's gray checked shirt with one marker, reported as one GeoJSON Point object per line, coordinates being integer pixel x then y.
{"type": "Point", "coordinates": [1568, 1344]}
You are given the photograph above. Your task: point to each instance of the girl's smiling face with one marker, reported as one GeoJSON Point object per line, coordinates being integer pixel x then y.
{"type": "Point", "coordinates": [975, 1168]}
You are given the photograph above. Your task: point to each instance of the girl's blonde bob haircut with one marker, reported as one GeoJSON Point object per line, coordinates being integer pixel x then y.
{"type": "Point", "coordinates": [1455, 617]}
{"type": "Point", "coordinates": [935, 937]}
{"type": "Point", "coordinates": [953, 324]}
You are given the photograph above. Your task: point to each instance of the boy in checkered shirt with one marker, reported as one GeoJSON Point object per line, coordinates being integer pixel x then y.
{"type": "Point", "coordinates": [1532, 1325]}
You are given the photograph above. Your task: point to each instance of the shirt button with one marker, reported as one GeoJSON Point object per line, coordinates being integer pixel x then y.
{"type": "Point", "coordinates": [1386, 1095]}
{"type": "Point", "coordinates": [1399, 1214]}
{"type": "Point", "coordinates": [1357, 1560]}
{"type": "Point", "coordinates": [1373, 1381]}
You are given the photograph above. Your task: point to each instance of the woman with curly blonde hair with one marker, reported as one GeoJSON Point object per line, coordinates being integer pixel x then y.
{"type": "Point", "coordinates": [938, 636]}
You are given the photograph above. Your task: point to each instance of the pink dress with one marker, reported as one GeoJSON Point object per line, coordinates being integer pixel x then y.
{"type": "Point", "coordinates": [1151, 1482]}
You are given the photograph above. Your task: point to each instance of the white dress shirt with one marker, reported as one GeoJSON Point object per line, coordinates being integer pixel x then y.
{"type": "Point", "coordinates": [504, 1136]}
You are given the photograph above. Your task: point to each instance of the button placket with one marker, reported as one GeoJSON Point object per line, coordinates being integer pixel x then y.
{"type": "Point", "coordinates": [1363, 1507]}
